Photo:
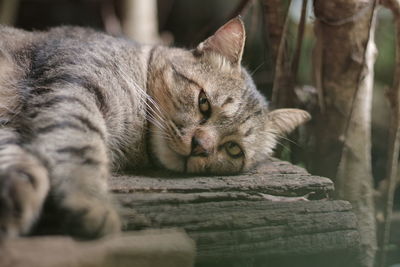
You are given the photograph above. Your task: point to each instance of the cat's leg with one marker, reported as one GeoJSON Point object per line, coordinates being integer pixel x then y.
{"type": "Point", "coordinates": [68, 131]}
{"type": "Point", "coordinates": [24, 185]}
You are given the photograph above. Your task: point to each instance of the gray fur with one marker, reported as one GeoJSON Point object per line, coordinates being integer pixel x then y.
{"type": "Point", "coordinates": [76, 103]}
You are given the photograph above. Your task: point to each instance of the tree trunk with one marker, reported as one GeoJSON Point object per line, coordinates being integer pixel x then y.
{"type": "Point", "coordinates": [140, 21]}
{"type": "Point", "coordinates": [345, 55]}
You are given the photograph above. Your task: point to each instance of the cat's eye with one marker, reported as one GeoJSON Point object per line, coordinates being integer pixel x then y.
{"type": "Point", "coordinates": [233, 149]}
{"type": "Point", "coordinates": [204, 105]}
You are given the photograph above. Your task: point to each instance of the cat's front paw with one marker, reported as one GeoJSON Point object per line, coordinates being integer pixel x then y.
{"type": "Point", "coordinates": [90, 218]}
{"type": "Point", "coordinates": [21, 198]}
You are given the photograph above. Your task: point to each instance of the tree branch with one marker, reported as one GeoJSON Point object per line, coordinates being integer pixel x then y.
{"type": "Point", "coordinates": [299, 42]}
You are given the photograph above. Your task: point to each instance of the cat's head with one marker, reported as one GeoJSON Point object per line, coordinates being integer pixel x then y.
{"type": "Point", "coordinates": [207, 115]}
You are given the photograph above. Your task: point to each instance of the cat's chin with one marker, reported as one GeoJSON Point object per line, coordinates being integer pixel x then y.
{"type": "Point", "coordinates": [167, 157]}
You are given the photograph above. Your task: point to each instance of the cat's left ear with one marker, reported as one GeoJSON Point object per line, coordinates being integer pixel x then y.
{"type": "Point", "coordinates": [285, 120]}
{"type": "Point", "coordinates": [228, 41]}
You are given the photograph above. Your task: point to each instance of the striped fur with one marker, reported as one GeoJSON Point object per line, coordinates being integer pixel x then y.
{"type": "Point", "coordinates": [75, 103]}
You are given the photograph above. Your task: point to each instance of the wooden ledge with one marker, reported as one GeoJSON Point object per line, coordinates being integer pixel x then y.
{"type": "Point", "coordinates": [275, 177]}
{"type": "Point", "coordinates": [234, 222]}
{"type": "Point", "coordinates": [155, 248]}
{"type": "Point", "coordinates": [252, 219]}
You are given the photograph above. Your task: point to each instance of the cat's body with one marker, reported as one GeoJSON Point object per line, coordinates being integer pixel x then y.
{"type": "Point", "coordinates": [114, 83]}
{"type": "Point", "coordinates": [75, 103]}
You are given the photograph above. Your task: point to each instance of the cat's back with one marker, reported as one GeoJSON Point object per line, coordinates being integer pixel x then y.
{"type": "Point", "coordinates": [70, 39]}
{"type": "Point", "coordinates": [66, 44]}
{"type": "Point", "coordinates": [19, 49]}
{"type": "Point", "coordinates": [12, 39]}
{"type": "Point", "coordinates": [67, 50]}
{"type": "Point", "coordinates": [81, 63]}
{"type": "Point", "coordinates": [15, 61]}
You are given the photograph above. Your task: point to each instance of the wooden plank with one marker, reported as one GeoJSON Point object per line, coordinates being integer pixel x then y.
{"type": "Point", "coordinates": [274, 177]}
{"type": "Point", "coordinates": [167, 248]}
{"type": "Point", "coordinates": [233, 230]}
{"type": "Point", "coordinates": [234, 223]}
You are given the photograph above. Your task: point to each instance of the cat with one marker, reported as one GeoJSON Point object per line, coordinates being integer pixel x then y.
{"type": "Point", "coordinates": [76, 104]}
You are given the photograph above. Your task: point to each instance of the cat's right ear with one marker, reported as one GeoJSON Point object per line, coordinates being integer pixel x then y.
{"type": "Point", "coordinates": [228, 42]}
{"type": "Point", "coordinates": [284, 120]}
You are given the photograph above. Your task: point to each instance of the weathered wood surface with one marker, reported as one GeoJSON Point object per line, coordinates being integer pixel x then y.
{"type": "Point", "coordinates": [275, 178]}
{"type": "Point", "coordinates": [231, 219]}
{"type": "Point", "coordinates": [234, 223]}
{"type": "Point", "coordinates": [166, 248]}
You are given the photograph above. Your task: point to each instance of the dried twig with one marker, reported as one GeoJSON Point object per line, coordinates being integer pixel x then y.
{"type": "Point", "coordinates": [285, 199]}
{"type": "Point", "coordinates": [299, 41]}
{"type": "Point", "coordinates": [317, 68]}
{"type": "Point", "coordinates": [281, 72]}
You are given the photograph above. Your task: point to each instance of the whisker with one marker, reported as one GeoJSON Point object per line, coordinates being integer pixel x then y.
{"type": "Point", "coordinates": [257, 68]}
{"type": "Point", "coordinates": [289, 140]}
{"type": "Point", "coordinates": [156, 123]}
{"type": "Point", "coordinates": [279, 136]}
{"type": "Point", "coordinates": [176, 130]}
{"type": "Point", "coordinates": [165, 137]}
{"type": "Point", "coordinates": [283, 145]}
{"type": "Point", "coordinates": [155, 114]}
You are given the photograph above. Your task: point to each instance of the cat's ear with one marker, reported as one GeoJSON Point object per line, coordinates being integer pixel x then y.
{"type": "Point", "coordinates": [285, 120]}
{"type": "Point", "coordinates": [228, 41]}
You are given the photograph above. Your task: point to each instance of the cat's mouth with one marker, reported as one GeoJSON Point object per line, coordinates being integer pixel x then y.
{"type": "Point", "coordinates": [171, 158]}
{"type": "Point", "coordinates": [188, 161]}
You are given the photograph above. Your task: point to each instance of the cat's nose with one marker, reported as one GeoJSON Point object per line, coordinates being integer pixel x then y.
{"type": "Point", "coordinates": [198, 149]}
{"type": "Point", "coordinates": [201, 145]}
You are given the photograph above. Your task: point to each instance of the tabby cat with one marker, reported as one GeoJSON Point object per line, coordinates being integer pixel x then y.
{"type": "Point", "coordinates": [75, 104]}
